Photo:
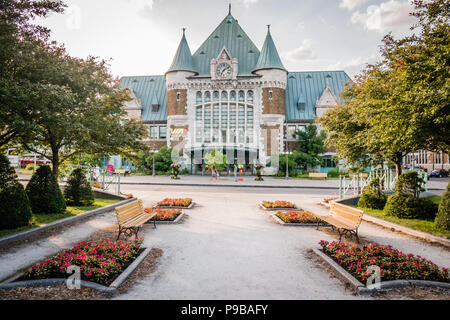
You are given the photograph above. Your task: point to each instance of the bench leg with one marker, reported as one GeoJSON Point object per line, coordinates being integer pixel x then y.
{"type": "Point", "coordinates": [356, 236]}
{"type": "Point", "coordinates": [120, 232]}
{"type": "Point", "coordinates": [341, 232]}
{"type": "Point", "coordinates": [136, 230]}
{"type": "Point", "coordinates": [154, 224]}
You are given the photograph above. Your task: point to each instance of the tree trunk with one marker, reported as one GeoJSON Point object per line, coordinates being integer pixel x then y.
{"type": "Point", "coordinates": [398, 161]}
{"type": "Point", "coordinates": [55, 163]}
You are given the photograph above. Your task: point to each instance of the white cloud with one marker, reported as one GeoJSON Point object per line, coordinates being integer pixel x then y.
{"type": "Point", "coordinates": [304, 52]}
{"type": "Point", "coordinates": [353, 66]}
{"type": "Point", "coordinates": [351, 4]}
{"type": "Point", "coordinates": [388, 16]}
{"type": "Point", "coordinates": [247, 3]}
{"type": "Point", "coordinates": [141, 4]}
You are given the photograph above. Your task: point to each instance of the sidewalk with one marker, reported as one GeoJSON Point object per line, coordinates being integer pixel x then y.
{"type": "Point", "coordinates": [249, 181]}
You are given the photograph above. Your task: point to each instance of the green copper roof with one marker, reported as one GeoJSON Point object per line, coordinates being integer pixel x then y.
{"type": "Point", "coordinates": [183, 58]}
{"type": "Point", "coordinates": [308, 87]}
{"type": "Point", "coordinates": [149, 90]}
{"type": "Point", "coordinates": [232, 36]}
{"type": "Point", "coordinates": [269, 58]}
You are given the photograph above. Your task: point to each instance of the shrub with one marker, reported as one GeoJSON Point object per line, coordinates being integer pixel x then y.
{"type": "Point", "coordinates": [44, 193]}
{"type": "Point", "coordinates": [404, 206]}
{"type": "Point", "coordinates": [15, 210]}
{"type": "Point", "coordinates": [409, 183]}
{"type": "Point", "coordinates": [8, 175]}
{"type": "Point", "coordinates": [443, 216]}
{"type": "Point", "coordinates": [373, 197]}
{"type": "Point", "coordinates": [333, 173]}
{"type": "Point", "coordinates": [78, 191]}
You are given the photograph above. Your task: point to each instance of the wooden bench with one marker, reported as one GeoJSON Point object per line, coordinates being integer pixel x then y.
{"type": "Point", "coordinates": [318, 175]}
{"type": "Point", "coordinates": [131, 217]}
{"type": "Point", "coordinates": [344, 218]}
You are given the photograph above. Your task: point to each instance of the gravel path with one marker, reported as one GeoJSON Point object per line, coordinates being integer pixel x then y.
{"type": "Point", "coordinates": [228, 248]}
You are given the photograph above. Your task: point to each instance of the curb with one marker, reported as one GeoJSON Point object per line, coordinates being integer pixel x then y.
{"type": "Point", "coordinates": [188, 207]}
{"type": "Point", "coordinates": [406, 230]}
{"type": "Point", "coordinates": [112, 288]}
{"type": "Point", "coordinates": [28, 233]}
{"type": "Point", "coordinates": [284, 224]}
{"type": "Point", "coordinates": [176, 221]}
{"type": "Point", "coordinates": [278, 209]}
{"type": "Point", "coordinates": [384, 285]}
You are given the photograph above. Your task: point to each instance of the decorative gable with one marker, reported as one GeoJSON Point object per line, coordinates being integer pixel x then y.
{"type": "Point", "coordinates": [134, 106]}
{"type": "Point", "coordinates": [326, 101]}
{"type": "Point", "coordinates": [224, 67]}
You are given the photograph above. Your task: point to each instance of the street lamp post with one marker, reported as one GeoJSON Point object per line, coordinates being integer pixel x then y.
{"type": "Point", "coordinates": [153, 165]}
{"type": "Point", "coordinates": [287, 166]}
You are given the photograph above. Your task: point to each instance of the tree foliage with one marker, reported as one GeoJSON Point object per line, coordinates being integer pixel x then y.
{"type": "Point", "coordinates": [310, 145]}
{"type": "Point", "coordinates": [443, 216]}
{"type": "Point", "coordinates": [399, 104]}
{"type": "Point", "coordinates": [216, 159]}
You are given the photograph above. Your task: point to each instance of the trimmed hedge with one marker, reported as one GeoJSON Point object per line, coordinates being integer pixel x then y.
{"type": "Point", "coordinates": [443, 216]}
{"type": "Point", "coordinates": [15, 208]}
{"type": "Point", "coordinates": [78, 191]}
{"type": "Point", "coordinates": [44, 193]}
{"type": "Point", "coordinates": [404, 206]}
{"type": "Point", "coordinates": [373, 197]}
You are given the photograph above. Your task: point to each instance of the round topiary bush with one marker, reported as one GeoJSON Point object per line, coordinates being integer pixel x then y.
{"type": "Point", "coordinates": [7, 173]}
{"type": "Point", "coordinates": [402, 205]}
{"type": "Point", "coordinates": [443, 216]}
{"type": "Point", "coordinates": [78, 191]}
{"type": "Point", "coordinates": [15, 210]}
{"type": "Point", "coordinates": [373, 197]}
{"type": "Point", "coordinates": [44, 193]}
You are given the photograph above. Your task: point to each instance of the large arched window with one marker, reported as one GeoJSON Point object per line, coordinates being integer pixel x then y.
{"type": "Point", "coordinates": [229, 119]}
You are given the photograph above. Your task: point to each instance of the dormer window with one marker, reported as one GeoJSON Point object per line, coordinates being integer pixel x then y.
{"type": "Point", "coordinates": [155, 105]}
{"type": "Point", "coordinates": [301, 106]}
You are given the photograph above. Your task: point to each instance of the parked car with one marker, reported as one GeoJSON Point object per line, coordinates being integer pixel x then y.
{"type": "Point", "coordinates": [434, 174]}
{"type": "Point", "coordinates": [439, 173]}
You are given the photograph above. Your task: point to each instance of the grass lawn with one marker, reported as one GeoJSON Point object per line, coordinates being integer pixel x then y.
{"type": "Point", "coordinates": [41, 220]}
{"type": "Point", "coordinates": [416, 224]}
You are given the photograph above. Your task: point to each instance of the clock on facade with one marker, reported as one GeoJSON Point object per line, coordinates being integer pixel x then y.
{"type": "Point", "coordinates": [224, 70]}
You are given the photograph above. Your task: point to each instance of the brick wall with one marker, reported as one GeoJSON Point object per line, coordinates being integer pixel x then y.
{"type": "Point", "coordinates": [278, 103]}
{"type": "Point", "coordinates": [175, 107]}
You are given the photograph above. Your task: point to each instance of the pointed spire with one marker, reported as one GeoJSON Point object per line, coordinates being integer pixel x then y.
{"type": "Point", "coordinates": [229, 9]}
{"type": "Point", "coordinates": [269, 57]}
{"type": "Point", "coordinates": [183, 58]}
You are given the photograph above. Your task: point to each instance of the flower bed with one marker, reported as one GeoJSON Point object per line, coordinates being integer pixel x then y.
{"type": "Point", "coordinates": [164, 214]}
{"type": "Point", "coordinates": [278, 205]}
{"type": "Point", "coordinates": [100, 261]}
{"type": "Point", "coordinates": [304, 217]}
{"type": "Point", "coordinates": [394, 264]}
{"type": "Point", "coordinates": [175, 202]}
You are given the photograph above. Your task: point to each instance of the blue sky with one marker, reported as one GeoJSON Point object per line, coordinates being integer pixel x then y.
{"type": "Point", "coordinates": [141, 36]}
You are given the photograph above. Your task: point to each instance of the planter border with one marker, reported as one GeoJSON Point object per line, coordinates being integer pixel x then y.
{"type": "Point", "coordinates": [25, 234]}
{"type": "Point", "coordinates": [279, 209]}
{"type": "Point", "coordinates": [176, 221]}
{"type": "Point", "coordinates": [285, 224]}
{"type": "Point", "coordinates": [112, 288]}
{"type": "Point", "coordinates": [163, 207]}
{"type": "Point", "coordinates": [384, 285]}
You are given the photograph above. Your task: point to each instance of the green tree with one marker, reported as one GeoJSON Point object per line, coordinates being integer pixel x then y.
{"type": "Point", "coordinates": [217, 159]}
{"type": "Point", "coordinates": [310, 145]}
{"type": "Point", "coordinates": [44, 193]}
{"type": "Point", "coordinates": [443, 216]}
{"type": "Point", "coordinates": [15, 210]}
{"type": "Point", "coordinates": [400, 104]}
{"type": "Point", "coordinates": [78, 191]}
{"type": "Point", "coordinates": [18, 37]}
